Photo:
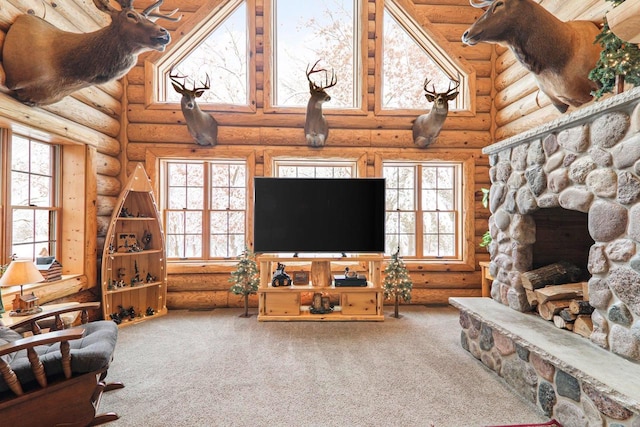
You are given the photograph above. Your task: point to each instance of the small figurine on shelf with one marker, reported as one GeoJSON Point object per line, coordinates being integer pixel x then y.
{"type": "Point", "coordinates": [280, 278]}
{"type": "Point", "coordinates": [111, 248]}
{"type": "Point", "coordinates": [135, 280]}
{"type": "Point", "coordinates": [150, 278]}
{"type": "Point", "coordinates": [116, 318]}
{"type": "Point", "coordinates": [133, 245]}
{"type": "Point", "coordinates": [129, 312]}
{"type": "Point", "coordinates": [124, 213]}
{"type": "Point", "coordinates": [111, 285]}
{"type": "Point", "coordinates": [146, 240]}
{"type": "Point", "coordinates": [150, 311]}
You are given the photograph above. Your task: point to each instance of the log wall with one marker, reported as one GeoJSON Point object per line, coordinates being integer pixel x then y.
{"type": "Point", "coordinates": [163, 129]}
{"type": "Point", "coordinates": [90, 117]}
{"type": "Point", "coordinates": [118, 122]}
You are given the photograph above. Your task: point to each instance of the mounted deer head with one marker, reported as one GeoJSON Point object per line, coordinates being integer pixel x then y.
{"type": "Point", "coordinates": [202, 126]}
{"type": "Point", "coordinates": [427, 127]}
{"type": "Point", "coordinates": [559, 54]}
{"type": "Point", "coordinates": [316, 129]}
{"type": "Point", "coordinates": [58, 62]}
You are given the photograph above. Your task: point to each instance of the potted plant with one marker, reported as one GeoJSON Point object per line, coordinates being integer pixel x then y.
{"type": "Point", "coordinates": [486, 237]}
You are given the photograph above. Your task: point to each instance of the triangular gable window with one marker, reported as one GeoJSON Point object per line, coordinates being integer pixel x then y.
{"type": "Point", "coordinates": [409, 56]}
{"type": "Point", "coordinates": [220, 51]}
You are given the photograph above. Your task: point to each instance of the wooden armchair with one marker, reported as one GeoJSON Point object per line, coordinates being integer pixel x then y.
{"type": "Point", "coordinates": [56, 377]}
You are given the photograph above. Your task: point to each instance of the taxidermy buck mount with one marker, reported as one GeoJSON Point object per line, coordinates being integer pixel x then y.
{"type": "Point", "coordinates": [316, 129]}
{"type": "Point", "coordinates": [202, 126]}
{"type": "Point", "coordinates": [427, 127]}
{"type": "Point", "coordinates": [559, 54]}
{"type": "Point", "coordinates": [43, 64]}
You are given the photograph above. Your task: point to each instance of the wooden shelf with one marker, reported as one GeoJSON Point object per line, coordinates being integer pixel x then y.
{"type": "Point", "coordinates": [147, 251]}
{"type": "Point", "coordinates": [128, 322]}
{"type": "Point", "coordinates": [134, 288]}
{"type": "Point", "coordinates": [357, 303]}
{"type": "Point", "coordinates": [127, 267]}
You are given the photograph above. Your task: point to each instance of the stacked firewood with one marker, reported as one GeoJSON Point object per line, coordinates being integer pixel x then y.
{"type": "Point", "coordinates": [553, 290]}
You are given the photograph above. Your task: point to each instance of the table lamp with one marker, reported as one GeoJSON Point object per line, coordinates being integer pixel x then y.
{"type": "Point", "coordinates": [20, 273]}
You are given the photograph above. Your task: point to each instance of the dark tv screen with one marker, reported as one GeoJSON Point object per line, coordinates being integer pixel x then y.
{"type": "Point", "coordinates": [319, 215]}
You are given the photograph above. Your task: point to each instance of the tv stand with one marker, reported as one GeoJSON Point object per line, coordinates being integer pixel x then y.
{"type": "Point", "coordinates": [292, 303]}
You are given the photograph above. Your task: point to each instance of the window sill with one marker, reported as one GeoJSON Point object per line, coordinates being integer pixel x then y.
{"type": "Point", "coordinates": [69, 284]}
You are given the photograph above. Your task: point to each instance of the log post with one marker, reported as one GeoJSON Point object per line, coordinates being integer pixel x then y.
{"type": "Point", "coordinates": [321, 274]}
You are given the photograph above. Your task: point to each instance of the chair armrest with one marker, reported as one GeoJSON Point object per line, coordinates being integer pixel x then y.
{"type": "Point", "coordinates": [64, 336]}
{"type": "Point", "coordinates": [42, 339]}
{"type": "Point", "coordinates": [32, 320]}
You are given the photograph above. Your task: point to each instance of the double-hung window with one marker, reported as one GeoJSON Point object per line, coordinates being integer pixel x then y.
{"type": "Point", "coordinates": [424, 206]}
{"type": "Point", "coordinates": [205, 208]}
{"type": "Point", "coordinates": [33, 197]}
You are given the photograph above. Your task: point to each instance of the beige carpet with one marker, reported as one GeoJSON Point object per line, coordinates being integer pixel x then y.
{"type": "Point", "coordinates": [213, 368]}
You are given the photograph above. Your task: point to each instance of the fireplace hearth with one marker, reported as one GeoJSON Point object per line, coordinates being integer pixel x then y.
{"type": "Point", "coordinates": [566, 191]}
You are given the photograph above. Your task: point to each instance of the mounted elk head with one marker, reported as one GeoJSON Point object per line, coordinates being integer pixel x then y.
{"type": "Point", "coordinates": [559, 54]}
{"type": "Point", "coordinates": [427, 127]}
{"type": "Point", "coordinates": [316, 129]}
{"type": "Point", "coordinates": [44, 64]}
{"type": "Point", "coordinates": [202, 126]}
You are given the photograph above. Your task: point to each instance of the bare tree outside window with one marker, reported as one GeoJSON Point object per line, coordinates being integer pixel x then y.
{"type": "Point", "coordinates": [34, 209]}
{"type": "Point", "coordinates": [223, 56]}
{"type": "Point", "coordinates": [205, 205]}
{"type": "Point", "coordinates": [423, 207]}
{"type": "Point", "coordinates": [303, 35]}
{"type": "Point", "coordinates": [405, 66]}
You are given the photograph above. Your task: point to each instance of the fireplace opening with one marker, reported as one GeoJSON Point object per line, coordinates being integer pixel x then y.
{"type": "Point", "coordinates": [562, 235]}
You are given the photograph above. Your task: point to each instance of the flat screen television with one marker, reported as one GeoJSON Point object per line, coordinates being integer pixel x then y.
{"type": "Point", "coordinates": [339, 215]}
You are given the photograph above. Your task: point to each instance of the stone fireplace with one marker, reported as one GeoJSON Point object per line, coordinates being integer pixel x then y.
{"type": "Point", "coordinates": [566, 191]}
{"type": "Point", "coordinates": [578, 179]}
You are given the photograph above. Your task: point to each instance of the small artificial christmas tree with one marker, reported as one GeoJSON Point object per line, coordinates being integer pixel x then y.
{"type": "Point", "coordinates": [618, 60]}
{"type": "Point", "coordinates": [245, 278]}
{"type": "Point", "coordinates": [397, 283]}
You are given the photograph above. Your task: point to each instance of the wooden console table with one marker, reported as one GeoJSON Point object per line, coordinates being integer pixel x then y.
{"type": "Point", "coordinates": [284, 303]}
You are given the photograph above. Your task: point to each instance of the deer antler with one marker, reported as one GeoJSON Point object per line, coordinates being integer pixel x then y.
{"type": "Point", "coordinates": [481, 4]}
{"type": "Point", "coordinates": [431, 92]}
{"type": "Point", "coordinates": [327, 84]}
{"type": "Point", "coordinates": [168, 16]}
{"type": "Point", "coordinates": [181, 86]}
{"type": "Point", "coordinates": [451, 90]}
{"type": "Point", "coordinates": [173, 78]}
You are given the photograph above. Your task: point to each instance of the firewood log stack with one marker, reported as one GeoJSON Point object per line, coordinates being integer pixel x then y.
{"type": "Point", "coordinates": [553, 290]}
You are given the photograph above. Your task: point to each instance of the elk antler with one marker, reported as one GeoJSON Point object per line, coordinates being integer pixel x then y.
{"type": "Point", "coordinates": [481, 4]}
{"type": "Point", "coordinates": [168, 16]}
{"type": "Point", "coordinates": [327, 84]}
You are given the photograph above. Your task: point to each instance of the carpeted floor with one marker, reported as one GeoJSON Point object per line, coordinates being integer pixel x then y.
{"type": "Point", "coordinates": [214, 368]}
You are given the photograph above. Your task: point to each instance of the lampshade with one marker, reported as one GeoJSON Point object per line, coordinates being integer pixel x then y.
{"type": "Point", "coordinates": [21, 272]}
